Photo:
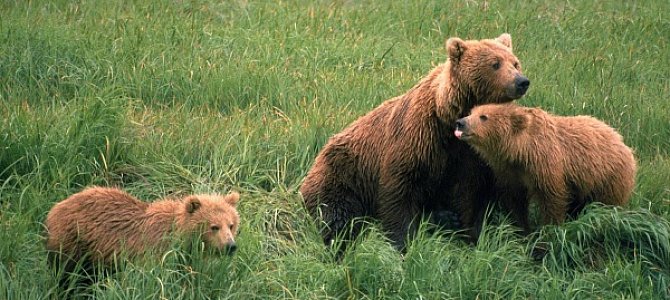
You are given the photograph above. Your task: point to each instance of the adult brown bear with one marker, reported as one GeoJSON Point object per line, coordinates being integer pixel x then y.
{"type": "Point", "coordinates": [402, 159]}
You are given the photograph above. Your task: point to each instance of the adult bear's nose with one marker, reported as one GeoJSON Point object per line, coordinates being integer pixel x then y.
{"type": "Point", "coordinates": [522, 83]}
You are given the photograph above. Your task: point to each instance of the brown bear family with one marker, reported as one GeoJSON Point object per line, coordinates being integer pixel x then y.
{"type": "Point", "coordinates": [562, 162]}
{"type": "Point", "coordinates": [412, 155]}
{"type": "Point", "coordinates": [97, 224]}
{"type": "Point", "coordinates": [402, 160]}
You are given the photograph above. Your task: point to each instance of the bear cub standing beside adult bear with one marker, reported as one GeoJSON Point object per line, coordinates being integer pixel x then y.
{"type": "Point", "coordinates": [401, 160]}
{"type": "Point", "coordinates": [562, 162]}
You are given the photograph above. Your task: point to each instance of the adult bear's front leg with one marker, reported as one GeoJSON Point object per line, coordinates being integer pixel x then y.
{"type": "Point", "coordinates": [471, 188]}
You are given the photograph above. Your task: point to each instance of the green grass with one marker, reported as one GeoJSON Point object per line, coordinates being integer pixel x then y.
{"type": "Point", "coordinates": [178, 96]}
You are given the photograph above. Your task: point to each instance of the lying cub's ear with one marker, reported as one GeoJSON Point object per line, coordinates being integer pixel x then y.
{"type": "Point", "coordinates": [505, 39]}
{"type": "Point", "coordinates": [232, 198]}
{"type": "Point", "coordinates": [455, 49]}
{"type": "Point", "coordinates": [192, 204]}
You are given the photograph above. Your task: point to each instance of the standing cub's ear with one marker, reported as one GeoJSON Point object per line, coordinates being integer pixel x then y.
{"type": "Point", "coordinates": [455, 49]}
{"type": "Point", "coordinates": [519, 122]}
{"type": "Point", "coordinates": [232, 198]}
{"type": "Point", "coordinates": [192, 204]}
{"type": "Point", "coordinates": [505, 39]}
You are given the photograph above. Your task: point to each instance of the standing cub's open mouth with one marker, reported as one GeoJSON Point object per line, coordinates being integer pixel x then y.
{"type": "Point", "coordinates": [460, 134]}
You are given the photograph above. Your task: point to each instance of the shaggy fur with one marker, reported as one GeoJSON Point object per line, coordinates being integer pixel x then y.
{"type": "Point", "coordinates": [100, 223]}
{"type": "Point", "coordinates": [402, 160]}
{"type": "Point", "coordinates": [563, 162]}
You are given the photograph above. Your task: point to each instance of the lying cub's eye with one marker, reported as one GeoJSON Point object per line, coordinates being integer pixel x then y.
{"type": "Point", "coordinates": [215, 228]}
{"type": "Point", "coordinates": [230, 226]}
{"type": "Point", "coordinates": [516, 65]}
{"type": "Point", "coordinates": [496, 66]}
{"type": "Point", "coordinates": [483, 117]}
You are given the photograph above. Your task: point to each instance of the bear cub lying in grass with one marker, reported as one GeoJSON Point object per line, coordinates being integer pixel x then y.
{"type": "Point", "coordinates": [562, 162]}
{"type": "Point", "coordinates": [90, 229]}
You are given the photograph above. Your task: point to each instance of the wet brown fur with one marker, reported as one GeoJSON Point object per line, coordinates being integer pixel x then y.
{"type": "Point", "coordinates": [401, 159]}
{"type": "Point", "coordinates": [562, 162]}
{"type": "Point", "coordinates": [100, 223]}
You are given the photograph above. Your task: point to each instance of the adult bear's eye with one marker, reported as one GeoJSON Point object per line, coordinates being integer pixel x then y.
{"type": "Point", "coordinates": [483, 117]}
{"type": "Point", "coordinates": [496, 66]}
{"type": "Point", "coordinates": [215, 228]}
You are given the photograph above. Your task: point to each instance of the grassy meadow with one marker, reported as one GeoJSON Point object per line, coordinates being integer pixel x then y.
{"type": "Point", "coordinates": [171, 97]}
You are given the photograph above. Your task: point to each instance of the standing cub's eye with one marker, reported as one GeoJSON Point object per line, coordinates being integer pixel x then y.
{"type": "Point", "coordinates": [483, 117]}
{"type": "Point", "coordinates": [516, 65]}
{"type": "Point", "coordinates": [231, 227]}
{"type": "Point", "coordinates": [215, 228]}
{"type": "Point", "coordinates": [496, 65]}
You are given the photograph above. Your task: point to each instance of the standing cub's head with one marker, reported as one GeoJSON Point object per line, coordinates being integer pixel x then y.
{"type": "Point", "coordinates": [215, 218]}
{"type": "Point", "coordinates": [493, 126]}
{"type": "Point", "coordinates": [487, 68]}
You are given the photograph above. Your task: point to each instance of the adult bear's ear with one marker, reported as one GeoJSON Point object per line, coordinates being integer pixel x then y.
{"type": "Point", "coordinates": [455, 48]}
{"type": "Point", "coordinates": [232, 198]}
{"type": "Point", "coordinates": [505, 39]}
{"type": "Point", "coordinates": [192, 204]}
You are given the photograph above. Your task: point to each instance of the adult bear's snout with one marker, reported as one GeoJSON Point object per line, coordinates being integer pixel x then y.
{"type": "Point", "coordinates": [521, 83]}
